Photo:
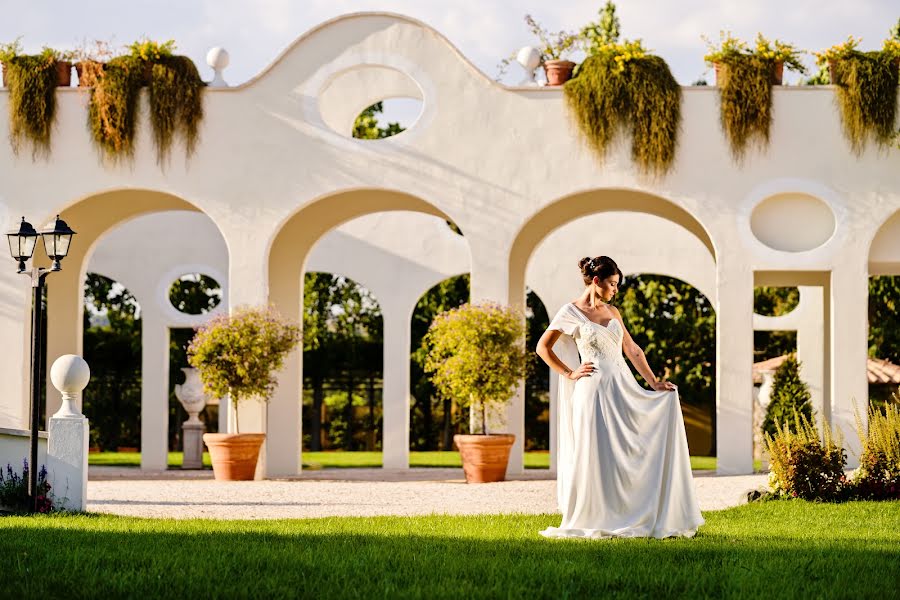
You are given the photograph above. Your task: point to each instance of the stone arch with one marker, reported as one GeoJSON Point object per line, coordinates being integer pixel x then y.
{"type": "Point", "coordinates": [91, 217]}
{"type": "Point", "coordinates": [569, 209]}
{"type": "Point", "coordinates": [289, 252]}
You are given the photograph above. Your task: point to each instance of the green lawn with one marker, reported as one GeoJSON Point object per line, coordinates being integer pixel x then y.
{"type": "Point", "coordinates": [332, 460]}
{"type": "Point", "coordinates": [787, 549]}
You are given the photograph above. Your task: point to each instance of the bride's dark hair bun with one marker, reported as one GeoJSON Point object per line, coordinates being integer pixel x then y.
{"type": "Point", "coordinates": [600, 267]}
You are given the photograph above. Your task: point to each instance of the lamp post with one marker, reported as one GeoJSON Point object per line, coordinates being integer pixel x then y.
{"type": "Point", "coordinates": [22, 241]}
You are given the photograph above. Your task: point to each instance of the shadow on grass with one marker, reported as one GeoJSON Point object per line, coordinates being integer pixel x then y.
{"type": "Point", "coordinates": [433, 557]}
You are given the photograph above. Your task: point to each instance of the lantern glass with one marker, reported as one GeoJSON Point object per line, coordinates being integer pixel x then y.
{"type": "Point", "coordinates": [21, 246]}
{"type": "Point", "coordinates": [57, 244]}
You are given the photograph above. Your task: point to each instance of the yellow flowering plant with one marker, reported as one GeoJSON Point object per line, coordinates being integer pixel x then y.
{"type": "Point", "coordinates": [730, 49]}
{"type": "Point", "coordinates": [150, 50]}
{"type": "Point", "coordinates": [838, 51]}
{"type": "Point", "coordinates": [624, 52]}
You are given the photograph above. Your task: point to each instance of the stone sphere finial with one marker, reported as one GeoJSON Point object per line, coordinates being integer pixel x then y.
{"type": "Point", "coordinates": [69, 374]}
{"type": "Point", "coordinates": [530, 59]}
{"type": "Point", "coordinates": [217, 58]}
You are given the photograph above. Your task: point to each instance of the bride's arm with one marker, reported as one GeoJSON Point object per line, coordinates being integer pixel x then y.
{"type": "Point", "coordinates": [545, 351]}
{"type": "Point", "coordinates": [636, 355]}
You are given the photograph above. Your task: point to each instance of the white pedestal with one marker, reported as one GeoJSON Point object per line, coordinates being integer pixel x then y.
{"type": "Point", "coordinates": [67, 461]}
{"type": "Point", "coordinates": [193, 445]}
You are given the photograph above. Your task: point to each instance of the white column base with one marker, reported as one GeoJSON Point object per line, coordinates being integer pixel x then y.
{"type": "Point", "coordinates": [67, 461]}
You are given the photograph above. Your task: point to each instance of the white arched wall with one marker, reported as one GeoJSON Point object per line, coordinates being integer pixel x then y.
{"type": "Point", "coordinates": [639, 243]}
{"type": "Point", "coordinates": [490, 157]}
{"type": "Point", "coordinates": [194, 245]}
{"type": "Point", "coordinates": [398, 256]}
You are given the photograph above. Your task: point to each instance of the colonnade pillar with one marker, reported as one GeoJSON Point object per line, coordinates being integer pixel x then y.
{"type": "Point", "coordinates": [734, 367]}
{"type": "Point", "coordinates": [849, 352]}
{"type": "Point", "coordinates": [395, 396]}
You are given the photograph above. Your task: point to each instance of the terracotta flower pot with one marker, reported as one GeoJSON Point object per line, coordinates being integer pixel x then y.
{"type": "Point", "coordinates": [484, 457]}
{"type": "Point", "coordinates": [234, 455]}
{"type": "Point", "coordinates": [63, 73]}
{"type": "Point", "coordinates": [558, 71]}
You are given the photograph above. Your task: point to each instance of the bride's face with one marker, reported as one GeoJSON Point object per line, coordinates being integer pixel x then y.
{"type": "Point", "coordinates": [607, 288]}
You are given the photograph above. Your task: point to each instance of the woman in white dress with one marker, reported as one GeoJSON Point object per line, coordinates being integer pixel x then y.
{"type": "Point", "coordinates": [623, 468]}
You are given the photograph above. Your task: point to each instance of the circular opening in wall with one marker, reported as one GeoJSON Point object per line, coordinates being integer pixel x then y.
{"type": "Point", "coordinates": [370, 102]}
{"type": "Point", "coordinates": [195, 294]}
{"type": "Point", "coordinates": [792, 222]}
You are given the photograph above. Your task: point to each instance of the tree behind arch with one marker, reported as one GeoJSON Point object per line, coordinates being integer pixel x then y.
{"type": "Point", "coordinates": [789, 393]}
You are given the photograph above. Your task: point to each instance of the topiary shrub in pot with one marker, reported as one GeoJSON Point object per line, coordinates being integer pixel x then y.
{"type": "Point", "coordinates": [238, 356]}
{"type": "Point", "coordinates": [477, 356]}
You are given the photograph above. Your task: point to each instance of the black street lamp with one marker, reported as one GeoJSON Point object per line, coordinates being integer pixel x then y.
{"type": "Point", "coordinates": [57, 239]}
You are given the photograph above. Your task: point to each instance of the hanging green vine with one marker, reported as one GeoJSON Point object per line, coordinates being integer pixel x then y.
{"type": "Point", "coordinates": [745, 78]}
{"type": "Point", "coordinates": [32, 84]}
{"type": "Point", "coordinates": [112, 112]}
{"type": "Point", "coordinates": [623, 87]}
{"type": "Point", "coordinates": [176, 103]}
{"type": "Point", "coordinates": [866, 91]}
{"type": "Point", "coordinates": [175, 100]}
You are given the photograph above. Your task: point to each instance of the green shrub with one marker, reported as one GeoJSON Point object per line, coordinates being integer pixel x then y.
{"type": "Point", "coordinates": [477, 354]}
{"type": "Point", "coordinates": [789, 395]}
{"type": "Point", "coordinates": [804, 466]}
{"type": "Point", "coordinates": [624, 88]}
{"type": "Point", "coordinates": [878, 475]}
{"type": "Point", "coordinates": [238, 354]}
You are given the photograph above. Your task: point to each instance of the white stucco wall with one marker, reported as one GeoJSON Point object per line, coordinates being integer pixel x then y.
{"type": "Point", "coordinates": [503, 163]}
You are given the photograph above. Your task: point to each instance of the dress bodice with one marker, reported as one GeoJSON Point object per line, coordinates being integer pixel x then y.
{"type": "Point", "coordinates": [598, 343]}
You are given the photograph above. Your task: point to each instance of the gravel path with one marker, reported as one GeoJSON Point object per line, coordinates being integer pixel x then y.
{"type": "Point", "coordinates": [350, 492]}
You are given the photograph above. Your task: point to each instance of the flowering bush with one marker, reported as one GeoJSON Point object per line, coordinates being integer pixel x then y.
{"type": "Point", "coordinates": [624, 52]}
{"type": "Point", "coordinates": [14, 490]}
{"type": "Point", "coordinates": [731, 49]}
{"type": "Point", "coordinates": [878, 475]}
{"type": "Point", "coordinates": [838, 51]}
{"type": "Point", "coordinates": [477, 355]}
{"type": "Point", "coordinates": [802, 465]}
{"type": "Point", "coordinates": [238, 354]}
{"type": "Point", "coordinates": [147, 50]}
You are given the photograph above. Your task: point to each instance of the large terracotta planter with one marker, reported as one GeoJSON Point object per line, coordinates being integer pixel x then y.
{"type": "Point", "coordinates": [234, 455]}
{"type": "Point", "coordinates": [558, 71]}
{"type": "Point", "coordinates": [484, 457]}
{"type": "Point", "coordinates": [722, 73]}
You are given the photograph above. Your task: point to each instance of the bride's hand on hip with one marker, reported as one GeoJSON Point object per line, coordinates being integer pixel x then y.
{"type": "Point", "coordinates": [664, 386]}
{"type": "Point", "coordinates": [585, 370]}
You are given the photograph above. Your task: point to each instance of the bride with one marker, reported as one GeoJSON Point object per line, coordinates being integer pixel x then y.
{"type": "Point", "coordinates": [623, 463]}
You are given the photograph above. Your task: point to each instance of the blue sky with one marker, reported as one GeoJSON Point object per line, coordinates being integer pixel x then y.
{"type": "Point", "coordinates": [255, 32]}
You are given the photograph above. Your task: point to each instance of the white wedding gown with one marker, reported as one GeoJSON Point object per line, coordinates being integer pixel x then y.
{"type": "Point", "coordinates": [623, 468]}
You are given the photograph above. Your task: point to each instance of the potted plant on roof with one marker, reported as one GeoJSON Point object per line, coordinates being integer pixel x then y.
{"type": "Point", "coordinates": [32, 82]}
{"type": "Point", "coordinates": [238, 356]}
{"type": "Point", "coordinates": [477, 356]}
{"type": "Point", "coordinates": [90, 61]}
{"type": "Point", "coordinates": [866, 85]}
{"type": "Point", "coordinates": [554, 49]}
{"type": "Point", "coordinates": [745, 78]}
